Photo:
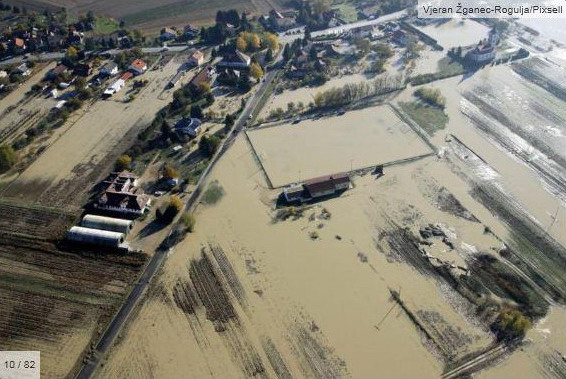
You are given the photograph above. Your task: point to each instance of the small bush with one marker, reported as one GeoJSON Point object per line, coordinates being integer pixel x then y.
{"type": "Point", "coordinates": [188, 220]}
{"type": "Point", "coordinates": [123, 162]}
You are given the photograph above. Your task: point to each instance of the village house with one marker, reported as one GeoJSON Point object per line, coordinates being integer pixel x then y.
{"type": "Point", "coordinates": [196, 58]}
{"type": "Point", "coordinates": [282, 24]}
{"type": "Point", "coordinates": [138, 67]}
{"type": "Point", "coordinates": [58, 70]}
{"type": "Point", "coordinates": [176, 79]}
{"type": "Point", "coordinates": [206, 75]}
{"type": "Point", "coordinates": [168, 34]}
{"type": "Point", "coordinates": [109, 69]}
{"type": "Point", "coordinates": [189, 126]}
{"type": "Point", "coordinates": [22, 69]}
{"type": "Point", "coordinates": [190, 32]}
{"type": "Point", "coordinates": [19, 45]}
{"type": "Point", "coordinates": [235, 60]}
{"type": "Point", "coordinates": [317, 188]}
{"type": "Point", "coordinates": [120, 195]}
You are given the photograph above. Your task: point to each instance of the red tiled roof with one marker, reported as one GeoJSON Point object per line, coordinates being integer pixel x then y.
{"type": "Point", "coordinates": [139, 64]}
{"type": "Point", "coordinates": [127, 75]}
{"type": "Point", "coordinates": [19, 42]}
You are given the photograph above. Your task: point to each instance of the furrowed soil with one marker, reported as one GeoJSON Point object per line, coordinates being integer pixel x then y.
{"type": "Point", "coordinates": [152, 15]}
{"type": "Point", "coordinates": [54, 301]}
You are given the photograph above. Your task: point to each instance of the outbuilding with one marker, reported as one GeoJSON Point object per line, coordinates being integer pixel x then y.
{"type": "Point", "coordinates": [111, 224]}
{"type": "Point", "coordinates": [95, 236]}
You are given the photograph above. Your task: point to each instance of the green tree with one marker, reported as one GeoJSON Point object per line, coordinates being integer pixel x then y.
{"type": "Point", "coordinates": [123, 162]}
{"type": "Point", "coordinates": [170, 172]}
{"type": "Point", "coordinates": [8, 158]}
{"type": "Point", "coordinates": [172, 209]}
{"type": "Point", "coordinates": [229, 121]}
{"type": "Point", "coordinates": [256, 71]}
{"type": "Point", "coordinates": [511, 324]}
{"type": "Point", "coordinates": [208, 145]}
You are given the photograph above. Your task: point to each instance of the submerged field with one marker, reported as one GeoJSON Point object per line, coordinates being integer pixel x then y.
{"type": "Point", "coordinates": [358, 139]}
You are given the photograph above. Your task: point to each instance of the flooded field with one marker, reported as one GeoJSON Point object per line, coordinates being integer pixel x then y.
{"type": "Point", "coordinates": [527, 120]}
{"type": "Point", "coordinates": [88, 141]}
{"type": "Point", "coordinates": [454, 32]}
{"type": "Point", "coordinates": [265, 298]}
{"type": "Point", "coordinates": [359, 139]}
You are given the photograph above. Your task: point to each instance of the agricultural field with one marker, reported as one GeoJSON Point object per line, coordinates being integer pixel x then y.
{"type": "Point", "coordinates": [356, 140]}
{"type": "Point", "coordinates": [453, 32]}
{"type": "Point", "coordinates": [53, 300]}
{"type": "Point", "coordinates": [151, 15]}
{"type": "Point", "coordinates": [86, 148]}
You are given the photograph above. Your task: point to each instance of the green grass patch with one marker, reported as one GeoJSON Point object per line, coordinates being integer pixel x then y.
{"type": "Point", "coordinates": [348, 12]}
{"type": "Point", "coordinates": [450, 67]}
{"type": "Point", "coordinates": [105, 25]}
{"type": "Point", "coordinates": [431, 119]}
{"type": "Point", "coordinates": [213, 193]}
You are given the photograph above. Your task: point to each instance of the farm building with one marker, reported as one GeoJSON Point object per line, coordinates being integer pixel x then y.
{"type": "Point", "coordinates": [122, 196]}
{"type": "Point", "coordinates": [110, 224]}
{"type": "Point", "coordinates": [317, 188]}
{"type": "Point", "coordinates": [138, 67]}
{"type": "Point", "coordinates": [168, 34]}
{"type": "Point", "coordinates": [95, 236]}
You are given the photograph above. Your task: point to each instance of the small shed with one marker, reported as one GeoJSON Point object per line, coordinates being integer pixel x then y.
{"type": "Point", "coordinates": [95, 236]}
{"type": "Point", "coordinates": [107, 223]}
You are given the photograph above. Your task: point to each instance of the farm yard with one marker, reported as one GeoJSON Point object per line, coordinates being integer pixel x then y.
{"type": "Point", "coordinates": [151, 15]}
{"type": "Point", "coordinates": [356, 140]}
{"type": "Point", "coordinates": [89, 144]}
{"type": "Point", "coordinates": [53, 300]}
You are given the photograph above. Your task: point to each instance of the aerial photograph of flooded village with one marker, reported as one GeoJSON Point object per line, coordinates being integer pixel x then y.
{"type": "Point", "coordinates": [280, 189]}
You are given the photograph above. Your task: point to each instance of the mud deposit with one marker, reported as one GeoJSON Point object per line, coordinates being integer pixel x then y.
{"type": "Point", "coordinates": [526, 116]}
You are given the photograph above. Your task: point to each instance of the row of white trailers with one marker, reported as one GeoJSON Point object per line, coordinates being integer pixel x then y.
{"type": "Point", "coordinates": [102, 231]}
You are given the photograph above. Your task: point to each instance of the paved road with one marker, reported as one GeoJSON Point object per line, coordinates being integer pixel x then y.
{"type": "Point", "coordinates": [109, 336]}
{"type": "Point", "coordinates": [289, 36]}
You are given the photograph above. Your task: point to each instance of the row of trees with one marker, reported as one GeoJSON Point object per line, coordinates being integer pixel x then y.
{"type": "Point", "coordinates": [349, 93]}
{"type": "Point", "coordinates": [252, 42]}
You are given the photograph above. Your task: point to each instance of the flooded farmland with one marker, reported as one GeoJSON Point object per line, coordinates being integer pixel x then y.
{"type": "Point", "coordinates": [356, 140]}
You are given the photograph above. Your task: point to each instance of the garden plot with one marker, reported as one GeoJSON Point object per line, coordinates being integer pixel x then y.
{"type": "Point", "coordinates": [526, 116]}
{"type": "Point", "coordinates": [359, 139]}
